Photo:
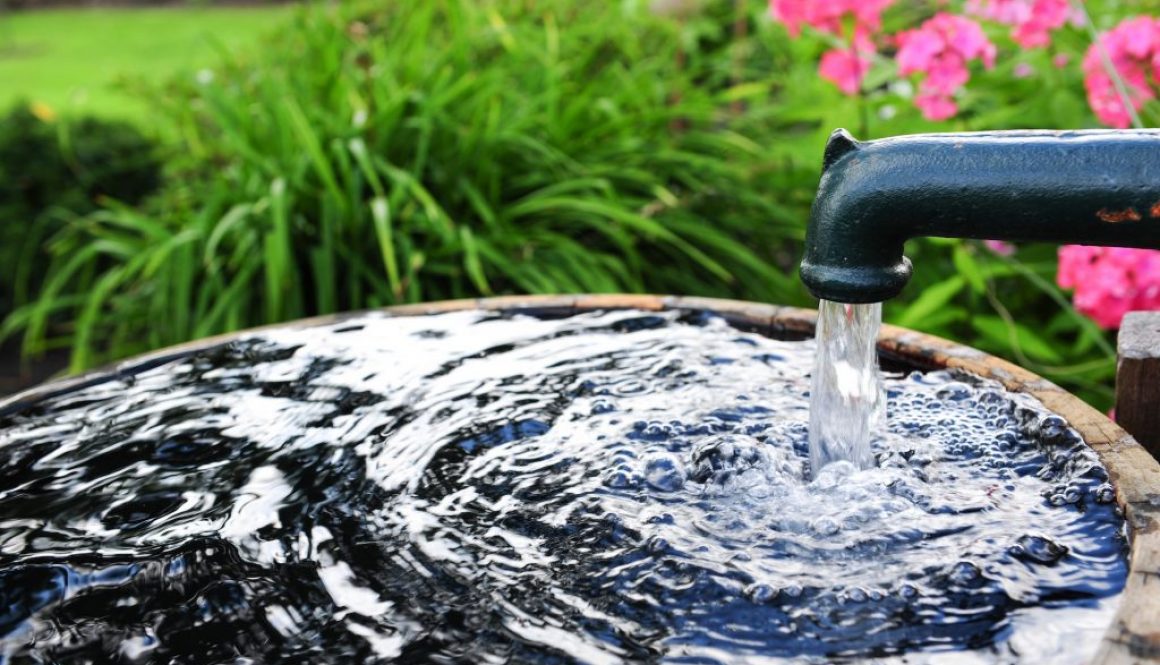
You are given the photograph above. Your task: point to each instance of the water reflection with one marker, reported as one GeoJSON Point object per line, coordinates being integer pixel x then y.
{"type": "Point", "coordinates": [479, 488]}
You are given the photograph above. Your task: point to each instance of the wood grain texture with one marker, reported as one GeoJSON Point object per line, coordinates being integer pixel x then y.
{"type": "Point", "coordinates": [1138, 378]}
{"type": "Point", "coordinates": [1134, 634]}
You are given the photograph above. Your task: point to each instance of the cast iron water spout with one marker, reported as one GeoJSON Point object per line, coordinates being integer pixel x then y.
{"type": "Point", "coordinates": [1097, 187]}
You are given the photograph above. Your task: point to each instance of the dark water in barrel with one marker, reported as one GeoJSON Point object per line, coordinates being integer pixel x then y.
{"type": "Point", "coordinates": [473, 488]}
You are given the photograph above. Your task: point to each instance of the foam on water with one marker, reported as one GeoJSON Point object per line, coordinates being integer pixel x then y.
{"type": "Point", "coordinates": [478, 488]}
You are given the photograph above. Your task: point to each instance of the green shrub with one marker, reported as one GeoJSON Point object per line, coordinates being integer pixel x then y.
{"type": "Point", "coordinates": [50, 170]}
{"type": "Point", "coordinates": [427, 150]}
{"type": "Point", "coordinates": [422, 151]}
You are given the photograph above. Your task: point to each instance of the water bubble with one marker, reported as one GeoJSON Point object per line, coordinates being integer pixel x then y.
{"type": "Point", "coordinates": [825, 526]}
{"type": "Point", "coordinates": [656, 545]}
{"type": "Point", "coordinates": [663, 518]}
{"type": "Point", "coordinates": [654, 431]}
{"type": "Point", "coordinates": [665, 473]}
{"type": "Point", "coordinates": [832, 475]}
{"type": "Point", "coordinates": [956, 392]}
{"type": "Point", "coordinates": [622, 477]}
{"type": "Point", "coordinates": [760, 593]}
{"type": "Point", "coordinates": [602, 406]}
{"type": "Point", "coordinates": [965, 573]}
{"type": "Point", "coordinates": [600, 491]}
{"type": "Point", "coordinates": [854, 595]}
{"type": "Point", "coordinates": [1038, 549]}
{"type": "Point", "coordinates": [1104, 493]}
{"type": "Point", "coordinates": [720, 458]}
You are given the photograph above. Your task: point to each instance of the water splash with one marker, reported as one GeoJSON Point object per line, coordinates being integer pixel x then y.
{"type": "Point", "coordinates": [621, 488]}
{"type": "Point", "coordinates": [847, 401]}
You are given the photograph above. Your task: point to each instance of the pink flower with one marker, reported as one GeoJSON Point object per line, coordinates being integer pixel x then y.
{"type": "Point", "coordinates": [936, 107]}
{"type": "Point", "coordinates": [1009, 12]}
{"type": "Point", "coordinates": [846, 68]}
{"type": "Point", "coordinates": [918, 49]}
{"type": "Point", "coordinates": [941, 48]}
{"type": "Point", "coordinates": [1032, 20]}
{"type": "Point", "coordinates": [1061, 60]}
{"type": "Point", "coordinates": [793, 13]}
{"type": "Point", "coordinates": [946, 73]}
{"type": "Point", "coordinates": [999, 247]}
{"type": "Point", "coordinates": [1109, 282]}
{"type": "Point", "coordinates": [1133, 47]}
{"type": "Point", "coordinates": [1046, 15]}
{"type": "Point", "coordinates": [1136, 37]}
{"type": "Point", "coordinates": [827, 15]}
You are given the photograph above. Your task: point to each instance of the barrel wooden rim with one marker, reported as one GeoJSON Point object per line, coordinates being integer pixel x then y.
{"type": "Point", "coordinates": [1134, 635]}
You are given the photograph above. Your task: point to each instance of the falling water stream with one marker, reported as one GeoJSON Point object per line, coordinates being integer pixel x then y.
{"type": "Point", "coordinates": [604, 488]}
{"type": "Point", "coordinates": [847, 400]}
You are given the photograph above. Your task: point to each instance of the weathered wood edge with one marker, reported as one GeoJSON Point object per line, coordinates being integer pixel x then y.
{"type": "Point", "coordinates": [1138, 378]}
{"type": "Point", "coordinates": [1133, 637]}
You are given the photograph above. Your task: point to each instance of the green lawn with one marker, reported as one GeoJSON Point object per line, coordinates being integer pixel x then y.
{"type": "Point", "coordinates": [71, 59]}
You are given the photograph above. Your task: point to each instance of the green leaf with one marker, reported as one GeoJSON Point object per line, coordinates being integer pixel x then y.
{"type": "Point", "coordinates": [930, 301]}
{"type": "Point", "coordinates": [312, 145]}
{"type": "Point", "coordinates": [381, 217]}
{"type": "Point", "coordinates": [1016, 336]}
{"type": "Point", "coordinates": [969, 269]}
{"type": "Point", "coordinates": [471, 261]}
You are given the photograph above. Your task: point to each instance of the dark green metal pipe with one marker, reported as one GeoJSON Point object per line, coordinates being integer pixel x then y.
{"type": "Point", "coordinates": [1084, 187]}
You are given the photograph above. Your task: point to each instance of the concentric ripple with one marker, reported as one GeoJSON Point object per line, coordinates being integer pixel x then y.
{"type": "Point", "coordinates": [623, 487]}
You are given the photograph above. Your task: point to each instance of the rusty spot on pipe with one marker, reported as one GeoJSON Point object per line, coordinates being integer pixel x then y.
{"type": "Point", "coordinates": [1117, 216]}
{"type": "Point", "coordinates": [1156, 210]}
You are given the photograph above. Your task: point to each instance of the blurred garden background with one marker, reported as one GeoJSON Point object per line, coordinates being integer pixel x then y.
{"type": "Point", "coordinates": [173, 172]}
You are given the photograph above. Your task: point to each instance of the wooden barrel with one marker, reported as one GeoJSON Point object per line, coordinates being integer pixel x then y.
{"type": "Point", "coordinates": [1133, 636]}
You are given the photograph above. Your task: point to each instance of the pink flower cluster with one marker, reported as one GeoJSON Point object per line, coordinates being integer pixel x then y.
{"type": "Point", "coordinates": [1032, 20]}
{"type": "Point", "coordinates": [1109, 282]}
{"type": "Point", "coordinates": [944, 45]}
{"type": "Point", "coordinates": [1010, 12]}
{"type": "Point", "coordinates": [827, 15]}
{"type": "Point", "coordinates": [940, 49]}
{"type": "Point", "coordinates": [844, 67]}
{"type": "Point", "coordinates": [1134, 50]}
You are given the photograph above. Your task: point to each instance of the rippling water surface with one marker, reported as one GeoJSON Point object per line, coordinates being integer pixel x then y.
{"type": "Point", "coordinates": [476, 488]}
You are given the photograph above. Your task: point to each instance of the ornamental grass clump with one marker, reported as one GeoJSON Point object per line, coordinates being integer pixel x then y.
{"type": "Point", "coordinates": [421, 151]}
